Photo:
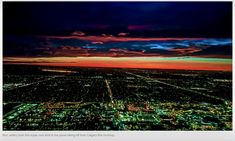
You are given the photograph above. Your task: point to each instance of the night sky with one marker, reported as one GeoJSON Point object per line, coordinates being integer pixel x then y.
{"type": "Point", "coordinates": [186, 35]}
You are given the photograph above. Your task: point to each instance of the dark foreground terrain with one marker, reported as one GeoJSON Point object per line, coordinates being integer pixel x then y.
{"type": "Point", "coordinates": [69, 98]}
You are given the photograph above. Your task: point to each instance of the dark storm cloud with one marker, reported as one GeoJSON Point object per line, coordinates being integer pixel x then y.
{"type": "Point", "coordinates": [163, 19]}
{"type": "Point", "coordinates": [117, 29]}
{"type": "Point", "coordinates": [56, 46]}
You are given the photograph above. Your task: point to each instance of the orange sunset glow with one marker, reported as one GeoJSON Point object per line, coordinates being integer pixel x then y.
{"type": "Point", "coordinates": [128, 62]}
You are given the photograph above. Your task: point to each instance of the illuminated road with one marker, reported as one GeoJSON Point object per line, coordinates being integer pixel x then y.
{"type": "Point", "coordinates": [37, 82]}
{"type": "Point", "coordinates": [109, 90]}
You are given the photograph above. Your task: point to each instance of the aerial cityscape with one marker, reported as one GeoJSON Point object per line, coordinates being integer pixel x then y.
{"type": "Point", "coordinates": [117, 66]}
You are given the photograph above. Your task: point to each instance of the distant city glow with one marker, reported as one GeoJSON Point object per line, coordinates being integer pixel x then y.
{"type": "Point", "coordinates": [57, 70]}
